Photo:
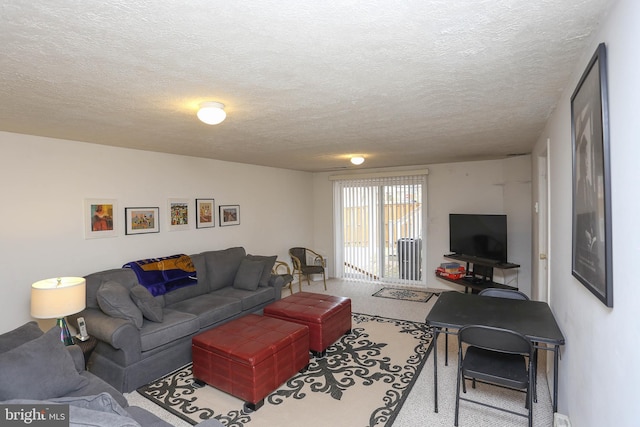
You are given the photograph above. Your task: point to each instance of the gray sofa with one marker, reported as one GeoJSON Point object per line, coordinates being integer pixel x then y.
{"type": "Point", "coordinates": [151, 337]}
{"type": "Point", "coordinates": [38, 369]}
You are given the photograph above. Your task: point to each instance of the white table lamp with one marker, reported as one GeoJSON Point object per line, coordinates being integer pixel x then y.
{"type": "Point", "coordinates": [57, 298]}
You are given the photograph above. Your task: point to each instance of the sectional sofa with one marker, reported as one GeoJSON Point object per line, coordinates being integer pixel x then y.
{"type": "Point", "coordinates": [143, 337]}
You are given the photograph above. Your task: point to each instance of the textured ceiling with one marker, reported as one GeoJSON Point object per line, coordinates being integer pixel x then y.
{"type": "Point", "coordinates": [306, 83]}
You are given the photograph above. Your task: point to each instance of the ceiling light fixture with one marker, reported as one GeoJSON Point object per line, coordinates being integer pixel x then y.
{"type": "Point", "coordinates": [211, 113]}
{"type": "Point", "coordinates": [357, 160]}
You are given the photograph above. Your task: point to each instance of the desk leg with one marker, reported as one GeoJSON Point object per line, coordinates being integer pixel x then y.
{"type": "Point", "coordinates": [436, 331]}
{"type": "Point", "coordinates": [556, 357]}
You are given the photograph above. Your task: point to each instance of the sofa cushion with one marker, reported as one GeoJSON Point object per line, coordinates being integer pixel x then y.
{"type": "Point", "coordinates": [124, 276]}
{"type": "Point", "coordinates": [248, 299]}
{"type": "Point", "coordinates": [222, 266]}
{"type": "Point", "coordinates": [175, 325]}
{"type": "Point", "coordinates": [147, 303]}
{"type": "Point", "coordinates": [211, 308]}
{"type": "Point", "coordinates": [269, 262]}
{"type": "Point", "coordinates": [114, 299]}
{"type": "Point", "coordinates": [25, 333]}
{"type": "Point", "coordinates": [248, 275]}
{"type": "Point", "coordinates": [39, 369]}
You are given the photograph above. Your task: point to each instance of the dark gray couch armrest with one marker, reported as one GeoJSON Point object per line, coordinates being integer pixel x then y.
{"type": "Point", "coordinates": [277, 283]}
{"type": "Point", "coordinates": [121, 334]}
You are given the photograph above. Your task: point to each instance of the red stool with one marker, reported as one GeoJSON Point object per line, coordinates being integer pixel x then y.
{"type": "Point", "coordinates": [250, 357]}
{"type": "Point", "coordinates": [328, 317]}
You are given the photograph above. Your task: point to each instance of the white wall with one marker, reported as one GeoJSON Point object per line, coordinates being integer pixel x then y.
{"type": "Point", "coordinates": [493, 186]}
{"type": "Point", "coordinates": [45, 181]}
{"type": "Point", "coordinates": [598, 376]}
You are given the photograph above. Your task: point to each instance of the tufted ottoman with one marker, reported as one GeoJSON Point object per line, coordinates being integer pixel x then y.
{"type": "Point", "coordinates": [250, 357]}
{"type": "Point", "coordinates": [328, 317]}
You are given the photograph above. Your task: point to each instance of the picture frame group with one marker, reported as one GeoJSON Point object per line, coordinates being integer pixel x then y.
{"type": "Point", "coordinates": [101, 219]}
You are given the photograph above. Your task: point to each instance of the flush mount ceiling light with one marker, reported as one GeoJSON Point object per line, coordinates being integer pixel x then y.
{"type": "Point", "coordinates": [211, 113]}
{"type": "Point", "coordinates": [357, 160]}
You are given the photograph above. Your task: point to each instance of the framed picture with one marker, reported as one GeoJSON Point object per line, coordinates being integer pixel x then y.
{"type": "Point", "coordinates": [229, 215]}
{"type": "Point", "coordinates": [142, 220]}
{"type": "Point", "coordinates": [591, 251]}
{"type": "Point", "coordinates": [178, 214]}
{"type": "Point", "coordinates": [205, 209]}
{"type": "Point", "coordinates": [100, 219]}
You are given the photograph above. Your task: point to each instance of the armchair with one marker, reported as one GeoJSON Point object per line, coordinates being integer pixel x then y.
{"type": "Point", "coordinates": [306, 262]}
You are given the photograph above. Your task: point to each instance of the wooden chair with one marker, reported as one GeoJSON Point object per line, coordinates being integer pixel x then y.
{"type": "Point", "coordinates": [306, 262]}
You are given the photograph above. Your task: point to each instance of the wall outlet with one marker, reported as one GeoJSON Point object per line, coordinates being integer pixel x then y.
{"type": "Point", "coordinates": [560, 420]}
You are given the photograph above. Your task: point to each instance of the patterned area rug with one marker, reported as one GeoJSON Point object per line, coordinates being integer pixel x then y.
{"type": "Point", "coordinates": [363, 380]}
{"type": "Point", "coordinates": [406, 294]}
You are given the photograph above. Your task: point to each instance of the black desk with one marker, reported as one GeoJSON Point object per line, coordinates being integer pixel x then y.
{"type": "Point", "coordinates": [534, 319]}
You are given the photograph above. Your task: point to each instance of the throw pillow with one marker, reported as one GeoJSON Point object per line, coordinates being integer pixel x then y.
{"type": "Point", "coordinates": [248, 275]}
{"type": "Point", "coordinates": [39, 369]}
{"type": "Point", "coordinates": [23, 334]}
{"type": "Point", "coordinates": [114, 300]}
{"type": "Point", "coordinates": [148, 305]}
{"type": "Point", "coordinates": [268, 262]}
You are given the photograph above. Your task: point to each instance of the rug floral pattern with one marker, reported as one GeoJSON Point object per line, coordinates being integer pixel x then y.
{"type": "Point", "coordinates": [353, 365]}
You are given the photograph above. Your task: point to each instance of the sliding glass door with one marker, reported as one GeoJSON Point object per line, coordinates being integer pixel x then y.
{"type": "Point", "coordinates": [380, 228]}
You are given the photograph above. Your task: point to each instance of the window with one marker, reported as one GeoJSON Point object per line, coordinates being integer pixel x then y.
{"type": "Point", "coordinates": [380, 227]}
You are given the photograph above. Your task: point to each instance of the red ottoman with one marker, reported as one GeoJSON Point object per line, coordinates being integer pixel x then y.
{"type": "Point", "coordinates": [250, 357]}
{"type": "Point", "coordinates": [328, 317]}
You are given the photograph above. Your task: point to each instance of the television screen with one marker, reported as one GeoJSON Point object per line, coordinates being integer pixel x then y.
{"type": "Point", "coordinates": [481, 236]}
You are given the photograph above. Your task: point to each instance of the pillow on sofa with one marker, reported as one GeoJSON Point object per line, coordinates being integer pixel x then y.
{"type": "Point", "coordinates": [248, 275]}
{"type": "Point", "coordinates": [147, 303]}
{"type": "Point", "coordinates": [39, 369]}
{"type": "Point", "coordinates": [22, 334]}
{"type": "Point", "coordinates": [114, 300]}
{"type": "Point", "coordinates": [268, 262]}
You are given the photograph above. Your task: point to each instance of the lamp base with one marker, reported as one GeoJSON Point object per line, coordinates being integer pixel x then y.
{"type": "Point", "coordinates": [65, 335]}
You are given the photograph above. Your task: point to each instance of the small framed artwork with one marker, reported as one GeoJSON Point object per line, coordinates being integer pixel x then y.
{"type": "Point", "coordinates": [229, 215]}
{"type": "Point", "coordinates": [591, 244]}
{"type": "Point", "coordinates": [142, 220]}
{"type": "Point", "coordinates": [100, 219]}
{"type": "Point", "coordinates": [205, 209]}
{"type": "Point", "coordinates": [178, 214]}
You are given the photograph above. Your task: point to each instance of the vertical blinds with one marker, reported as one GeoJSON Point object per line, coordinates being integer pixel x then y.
{"type": "Point", "coordinates": [379, 228]}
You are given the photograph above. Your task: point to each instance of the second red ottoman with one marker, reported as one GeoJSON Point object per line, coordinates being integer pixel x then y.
{"type": "Point", "coordinates": [328, 317]}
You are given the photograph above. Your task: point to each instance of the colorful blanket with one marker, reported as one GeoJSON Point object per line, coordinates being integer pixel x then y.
{"type": "Point", "coordinates": [162, 275]}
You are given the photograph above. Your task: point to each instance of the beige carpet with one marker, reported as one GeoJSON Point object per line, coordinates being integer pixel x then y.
{"type": "Point", "coordinates": [418, 407]}
{"type": "Point", "coordinates": [371, 369]}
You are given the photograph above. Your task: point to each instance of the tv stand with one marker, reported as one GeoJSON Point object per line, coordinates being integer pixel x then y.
{"type": "Point", "coordinates": [479, 273]}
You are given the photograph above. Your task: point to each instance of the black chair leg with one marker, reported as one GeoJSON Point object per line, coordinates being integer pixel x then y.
{"type": "Point", "coordinates": [535, 375]}
{"type": "Point", "coordinates": [460, 378]}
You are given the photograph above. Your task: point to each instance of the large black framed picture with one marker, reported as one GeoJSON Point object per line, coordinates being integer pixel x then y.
{"type": "Point", "coordinates": [591, 251]}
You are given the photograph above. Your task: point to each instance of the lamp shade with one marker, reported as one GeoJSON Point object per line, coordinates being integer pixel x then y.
{"type": "Point", "coordinates": [57, 298]}
{"type": "Point", "coordinates": [211, 113]}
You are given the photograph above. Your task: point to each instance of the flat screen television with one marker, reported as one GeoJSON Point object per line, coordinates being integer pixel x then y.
{"type": "Point", "coordinates": [480, 236]}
